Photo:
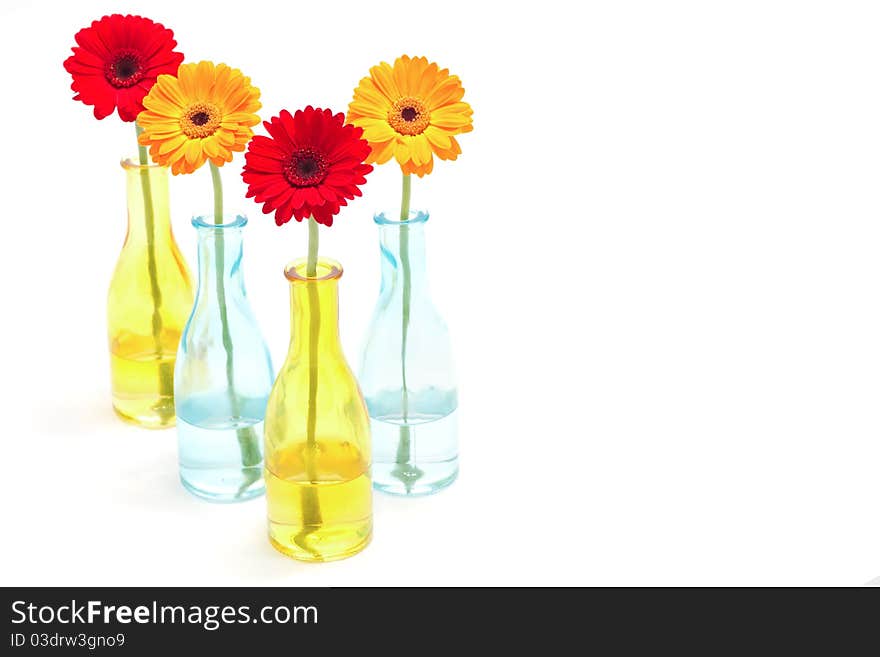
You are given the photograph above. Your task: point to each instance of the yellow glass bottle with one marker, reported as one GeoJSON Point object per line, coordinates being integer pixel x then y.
{"type": "Point", "coordinates": [150, 298]}
{"type": "Point", "coordinates": [317, 432]}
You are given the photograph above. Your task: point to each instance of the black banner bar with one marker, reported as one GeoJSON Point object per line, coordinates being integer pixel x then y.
{"type": "Point", "coordinates": [410, 621]}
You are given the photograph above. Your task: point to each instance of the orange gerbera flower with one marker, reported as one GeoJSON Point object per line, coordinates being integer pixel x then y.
{"type": "Point", "coordinates": [411, 111]}
{"type": "Point", "coordinates": [206, 112]}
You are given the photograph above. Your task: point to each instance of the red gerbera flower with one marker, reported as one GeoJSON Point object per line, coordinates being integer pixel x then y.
{"type": "Point", "coordinates": [308, 166]}
{"type": "Point", "coordinates": [118, 60]}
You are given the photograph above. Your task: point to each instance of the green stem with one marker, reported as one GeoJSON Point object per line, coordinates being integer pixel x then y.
{"type": "Point", "coordinates": [404, 200]}
{"type": "Point", "coordinates": [217, 183]}
{"type": "Point", "coordinates": [165, 405]}
{"type": "Point", "coordinates": [406, 273]}
{"type": "Point", "coordinates": [406, 471]}
{"type": "Point", "coordinates": [312, 260]}
{"type": "Point", "coordinates": [314, 328]}
{"type": "Point", "coordinates": [248, 443]}
{"type": "Point", "coordinates": [309, 503]}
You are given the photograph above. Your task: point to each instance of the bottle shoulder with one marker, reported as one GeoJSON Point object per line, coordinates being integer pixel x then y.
{"type": "Point", "coordinates": [134, 267]}
{"type": "Point", "coordinates": [335, 388]}
{"type": "Point", "coordinates": [206, 358]}
{"type": "Point", "coordinates": [208, 324]}
{"type": "Point", "coordinates": [422, 313]}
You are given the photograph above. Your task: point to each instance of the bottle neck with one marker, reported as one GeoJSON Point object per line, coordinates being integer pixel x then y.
{"type": "Point", "coordinates": [149, 218]}
{"type": "Point", "coordinates": [314, 310]}
{"type": "Point", "coordinates": [402, 247]}
{"type": "Point", "coordinates": [220, 255]}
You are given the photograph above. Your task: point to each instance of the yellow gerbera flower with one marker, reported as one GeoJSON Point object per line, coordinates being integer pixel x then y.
{"type": "Point", "coordinates": [206, 112]}
{"type": "Point", "coordinates": [411, 111]}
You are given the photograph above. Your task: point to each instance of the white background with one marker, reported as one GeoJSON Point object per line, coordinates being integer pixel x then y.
{"type": "Point", "coordinates": [658, 256]}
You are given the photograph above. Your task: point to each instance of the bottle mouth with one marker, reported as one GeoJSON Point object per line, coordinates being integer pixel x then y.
{"type": "Point", "coordinates": [415, 217]}
{"type": "Point", "coordinates": [230, 220]}
{"type": "Point", "coordinates": [326, 270]}
{"type": "Point", "coordinates": [132, 163]}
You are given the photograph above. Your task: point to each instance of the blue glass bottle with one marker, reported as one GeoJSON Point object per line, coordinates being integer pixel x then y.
{"type": "Point", "coordinates": [223, 375]}
{"type": "Point", "coordinates": [407, 374]}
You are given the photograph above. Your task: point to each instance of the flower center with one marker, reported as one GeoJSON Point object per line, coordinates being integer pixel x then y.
{"type": "Point", "coordinates": [409, 116]}
{"type": "Point", "coordinates": [305, 168]}
{"type": "Point", "coordinates": [124, 69]}
{"type": "Point", "coordinates": [200, 120]}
